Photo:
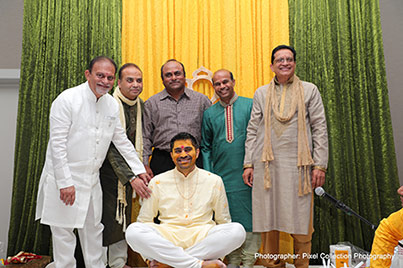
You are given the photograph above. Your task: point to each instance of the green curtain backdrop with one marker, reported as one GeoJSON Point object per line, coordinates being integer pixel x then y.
{"type": "Point", "coordinates": [59, 39]}
{"type": "Point", "coordinates": [339, 48]}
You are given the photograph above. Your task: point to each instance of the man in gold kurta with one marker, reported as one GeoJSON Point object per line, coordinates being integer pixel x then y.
{"type": "Point", "coordinates": [286, 153]}
{"type": "Point", "coordinates": [387, 235]}
{"type": "Point", "coordinates": [186, 198]}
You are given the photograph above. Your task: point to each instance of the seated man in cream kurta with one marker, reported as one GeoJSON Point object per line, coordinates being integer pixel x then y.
{"type": "Point", "coordinates": [185, 198]}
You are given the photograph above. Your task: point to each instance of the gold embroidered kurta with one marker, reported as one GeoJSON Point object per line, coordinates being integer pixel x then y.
{"type": "Point", "coordinates": [279, 207]}
{"type": "Point", "coordinates": [185, 205]}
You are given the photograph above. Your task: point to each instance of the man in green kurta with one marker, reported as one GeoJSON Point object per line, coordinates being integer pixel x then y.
{"type": "Point", "coordinates": [223, 147]}
{"type": "Point", "coordinates": [117, 179]}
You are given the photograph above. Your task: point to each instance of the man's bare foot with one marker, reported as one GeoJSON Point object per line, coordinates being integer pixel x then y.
{"type": "Point", "coordinates": [213, 264]}
{"type": "Point", "coordinates": [156, 264]}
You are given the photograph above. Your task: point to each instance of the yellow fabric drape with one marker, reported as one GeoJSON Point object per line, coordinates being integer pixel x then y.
{"type": "Point", "coordinates": [235, 35]}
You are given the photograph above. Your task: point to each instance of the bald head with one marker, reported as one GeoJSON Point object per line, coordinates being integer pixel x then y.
{"type": "Point", "coordinates": [223, 71]}
{"type": "Point", "coordinates": [224, 83]}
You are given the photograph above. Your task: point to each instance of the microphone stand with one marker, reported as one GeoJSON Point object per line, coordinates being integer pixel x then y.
{"type": "Point", "coordinates": [340, 205]}
{"type": "Point", "coordinates": [350, 212]}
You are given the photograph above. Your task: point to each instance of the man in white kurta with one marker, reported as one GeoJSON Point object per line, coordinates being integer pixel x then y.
{"type": "Point", "coordinates": [186, 198]}
{"type": "Point", "coordinates": [83, 122]}
{"type": "Point", "coordinates": [286, 153]}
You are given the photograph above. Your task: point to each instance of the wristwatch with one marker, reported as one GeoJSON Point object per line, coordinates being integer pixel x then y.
{"type": "Point", "coordinates": [132, 179]}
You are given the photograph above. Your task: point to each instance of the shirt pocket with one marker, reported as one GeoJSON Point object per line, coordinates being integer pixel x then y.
{"type": "Point", "coordinates": [108, 126]}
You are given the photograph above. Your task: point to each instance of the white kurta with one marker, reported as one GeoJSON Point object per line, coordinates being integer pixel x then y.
{"type": "Point", "coordinates": [280, 208]}
{"type": "Point", "coordinates": [81, 129]}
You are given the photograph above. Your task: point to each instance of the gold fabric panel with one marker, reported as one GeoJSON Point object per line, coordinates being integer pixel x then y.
{"type": "Point", "coordinates": [236, 35]}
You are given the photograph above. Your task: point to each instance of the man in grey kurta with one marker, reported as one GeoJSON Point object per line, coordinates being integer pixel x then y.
{"type": "Point", "coordinates": [117, 179]}
{"type": "Point", "coordinates": [286, 154]}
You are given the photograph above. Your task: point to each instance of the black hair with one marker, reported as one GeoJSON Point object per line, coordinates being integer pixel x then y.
{"type": "Point", "coordinates": [283, 47]}
{"type": "Point", "coordinates": [101, 58]}
{"type": "Point", "coordinates": [124, 66]}
{"type": "Point", "coordinates": [184, 136]}
{"type": "Point", "coordinates": [183, 67]}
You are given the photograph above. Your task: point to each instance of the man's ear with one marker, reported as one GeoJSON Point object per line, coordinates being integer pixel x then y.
{"type": "Point", "coordinates": [87, 74]}
{"type": "Point", "coordinates": [197, 152]}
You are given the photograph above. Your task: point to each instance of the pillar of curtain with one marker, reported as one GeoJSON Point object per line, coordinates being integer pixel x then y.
{"type": "Point", "coordinates": [59, 39]}
{"type": "Point", "coordinates": [339, 48]}
{"type": "Point", "coordinates": [236, 35]}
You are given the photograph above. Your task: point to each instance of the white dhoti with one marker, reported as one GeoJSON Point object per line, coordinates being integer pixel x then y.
{"type": "Point", "coordinates": [117, 254]}
{"type": "Point", "coordinates": [220, 240]}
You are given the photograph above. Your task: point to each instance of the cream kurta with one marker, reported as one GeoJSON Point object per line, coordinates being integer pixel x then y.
{"type": "Point", "coordinates": [280, 208]}
{"type": "Point", "coordinates": [81, 130]}
{"type": "Point", "coordinates": [186, 205]}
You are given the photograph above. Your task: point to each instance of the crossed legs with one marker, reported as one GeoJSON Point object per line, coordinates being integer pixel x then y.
{"type": "Point", "coordinates": [221, 240]}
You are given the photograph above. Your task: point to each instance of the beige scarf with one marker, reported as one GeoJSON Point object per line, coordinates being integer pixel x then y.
{"type": "Point", "coordinates": [121, 199]}
{"type": "Point", "coordinates": [304, 154]}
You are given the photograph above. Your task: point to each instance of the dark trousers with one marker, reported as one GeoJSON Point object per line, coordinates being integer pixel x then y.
{"type": "Point", "coordinates": [161, 161]}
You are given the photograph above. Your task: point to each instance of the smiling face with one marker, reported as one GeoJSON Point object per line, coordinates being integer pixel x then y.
{"type": "Point", "coordinates": [223, 85]}
{"type": "Point", "coordinates": [184, 155]}
{"type": "Point", "coordinates": [283, 65]}
{"type": "Point", "coordinates": [131, 82]}
{"type": "Point", "coordinates": [173, 77]}
{"type": "Point", "coordinates": [101, 77]}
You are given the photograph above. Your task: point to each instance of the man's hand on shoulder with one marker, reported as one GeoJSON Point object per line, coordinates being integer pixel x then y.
{"type": "Point", "coordinates": [248, 176]}
{"type": "Point", "coordinates": [140, 185]}
{"type": "Point", "coordinates": [68, 195]}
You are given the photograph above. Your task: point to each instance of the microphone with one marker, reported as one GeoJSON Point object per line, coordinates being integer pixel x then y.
{"type": "Point", "coordinates": [319, 191]}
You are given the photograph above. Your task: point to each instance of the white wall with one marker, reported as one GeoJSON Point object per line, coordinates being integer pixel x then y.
{"type": "Point", "coordinates": [8, 119]}
{"type": "Point", "coordinates": [392, 28]}
{"type": "Point", "coordinates": [11, 12]}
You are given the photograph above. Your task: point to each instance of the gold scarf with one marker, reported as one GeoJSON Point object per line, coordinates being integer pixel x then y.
{"type": "Point", "coordinates": [121, 198]}
{"type": "Point", "coordinates": [304, 154]}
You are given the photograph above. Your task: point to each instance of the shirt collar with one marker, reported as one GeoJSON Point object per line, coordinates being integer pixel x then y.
{"type": "Point", "coordinates": [165, 94]}
{"type": "Point", "coordinates": [232, 100]}
{"type": "Point", "coordinates": [90, 95]}
{"type": "Point", "coordinates": [289, 81]}
{"type": "Point", "coordinates": [189, 176]}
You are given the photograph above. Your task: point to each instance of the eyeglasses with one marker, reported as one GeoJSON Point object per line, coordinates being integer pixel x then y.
{"type": "Point", "coordinates": [101, 76]}
{"type": "Point", "coordinates": [282, 60]}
